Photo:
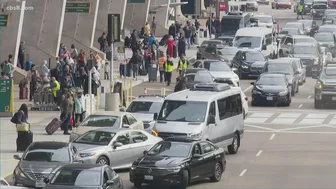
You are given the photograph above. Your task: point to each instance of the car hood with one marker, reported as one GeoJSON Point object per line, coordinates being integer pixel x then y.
{"type": "Point", "coordinates": [179, 127]}
{"type": "Point", "coordinates": [270, 88]}
{"type": "Point", "coordinates": [83, 148]}
{"type": "Point", "coordinates": [39, 167]}
{"type": "Point", "coordinates": [160, 161]}
{"type": "Point", "coordinates": [220, 74]}
{"type": "Point", "coordinates": [71, 187]}
{"type": "Point", "coordinates": [144, 116]}
{"type": "Point", "coordinates": [305, 56]}
{"type": "Point", "coordinates": [256, 64]}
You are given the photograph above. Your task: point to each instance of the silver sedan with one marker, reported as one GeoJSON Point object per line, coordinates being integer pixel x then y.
{"type": "Point", "coordinates": [117, 147]}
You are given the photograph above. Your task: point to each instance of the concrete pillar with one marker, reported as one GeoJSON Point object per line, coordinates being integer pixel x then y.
{"type": "Point", "coordinates": [137, 15]}
{"type": "Point", "coordinates": [112, 101]}
{"type": "Point", "coordinates": [179, 15]}
{"type": "Point", "coordinates": [161, 16]}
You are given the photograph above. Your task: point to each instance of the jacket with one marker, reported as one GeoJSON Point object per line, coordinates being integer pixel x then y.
{"type": "Point", "coordinates": [44, 70]}
{"type": "Point", "coordinates": [78, 106]}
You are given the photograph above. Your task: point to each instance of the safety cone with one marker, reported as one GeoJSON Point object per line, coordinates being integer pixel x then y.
{"type": "Point", "coordinates": [145, 91]}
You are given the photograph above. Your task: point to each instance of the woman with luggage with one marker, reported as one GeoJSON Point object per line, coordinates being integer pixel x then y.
{"type": "Point", "coordinates": [66, 112]}
{"type": "Point", "coordinates": [24, 137]}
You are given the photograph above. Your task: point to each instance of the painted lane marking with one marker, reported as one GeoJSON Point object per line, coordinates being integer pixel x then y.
{"type": "Point", "coordinates": [272, 137]}
{"type": "Point", "coordinates": [300, 105]}
{"type": "Point", "coordinates": [259, 153]}
{"type": "Point", "coordinates": [248, 88]}
{"type": "Point", "coordinates": [243, 172]}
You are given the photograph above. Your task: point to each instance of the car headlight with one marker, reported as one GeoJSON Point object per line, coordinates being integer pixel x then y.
{"type": "Point", "coordinates": [244, 67]}
{"type": "Point", "coordinates": [316, 60]}
{"type": "Point", "coordinates": [283, 93]}
{"type": "Point", "coordinates": [84, 155]}
{"type": "Point", "coordinates": [195, 135]}
{"type": "Point", "coordinates": [174, 169]}
{"type": "Point", "coordinates": [319, 86]}
{"type": "Point", "coordinates": [133, 167]}
{"type": "Point", "coordinates": [19, 172]}
{"type": "Point", "coordinates": [256, 92]}
{"type": "Point", "coordinates": [306, 6]}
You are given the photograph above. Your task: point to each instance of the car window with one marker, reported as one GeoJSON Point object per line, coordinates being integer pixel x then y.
{"type": "Point", "coordinates": [196, 149]}
{"type": "Point", "coordinates": [100, 121]}
{"type": "Point", "coordinates": [110, 173]}
{"type": "Point", "coordinates": [94, 137]}
{"type": "Point", "coordinates": [197, 64]}
{"type": "Point", "coordinates": [207, 147]}
{"type": "Point", "coordinates": [125, 120]}
{"type": "Point", "coordinates": [131, 119]}
{"type": "Point", "coordinates": [144, 107]}
{"type": "Point", "coordinates": [212, 109]}
{"type": "Point", "coordinates": [123, 138]}
{"type": "Point", "coordinates": [77, 177]}
{"type": "Point", "coordinates": [137, 136]}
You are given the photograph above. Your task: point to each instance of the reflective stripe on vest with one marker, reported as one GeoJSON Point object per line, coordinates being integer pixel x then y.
{"type": "Point", "coordinates": [56, 88]}
{"type": "Point", "coordinates": [183, 65]}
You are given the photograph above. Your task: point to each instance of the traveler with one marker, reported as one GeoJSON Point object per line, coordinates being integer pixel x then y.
{"type": "Point", "coordinates": [24, 136]}
{"type": "Point", "coordinates": [153, 25]}
{"type": "Point", "coordinates": [66, 112]}
{"type": "Point", "coordinates": [162, 69]}
{"type": "Point", "coordinates": [182, 65]}
{"type": "Point", "coordinates": [182, 46]}
{"type": "Point", "coordinates": [170, 46]}
{"type": "Point", "coordinates": [169, 66]}
{"type": "Point", "coordinates": [299, 11]}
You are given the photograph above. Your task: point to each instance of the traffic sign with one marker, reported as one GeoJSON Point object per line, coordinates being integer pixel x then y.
{"type": "Point", "coordinates": [78, 7]}
{"type": "Point", "coordinates": [136, 1]}
{"type": "Point", "coordinates": [222, 6]}
{"type": "Point", "coordinates": [6, 97]}
{"type": "Point", "coordinates": [5, 20]}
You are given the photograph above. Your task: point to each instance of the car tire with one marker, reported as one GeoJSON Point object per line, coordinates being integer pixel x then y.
{"type": "Point", "coordinates": [218, 172]}
{"type": "Point", "coordinates": [234, 147]}
{"type": "Point", "coordinates": [137, 184]}
{"type": "Point", "coordinates": [185, 180]}
{"type": "Point", "coordinates": [102, 160]}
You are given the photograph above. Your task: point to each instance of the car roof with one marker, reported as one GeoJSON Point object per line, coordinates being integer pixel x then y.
{"type": "Point", "coordinates": [149, 98]}
{"type": "Point", "coordinates": [111, 113]}
{"type": "Point", "coordinates": [289, 29]}
{"type": "Point", "coordinates": [83, 166]}
{"type": "Point", "coordinates": [263, 15]}
{"type": "Point", "coordinates": [48, 145]}
{"type": "Point", "coordinates": [301, 37]}
{"type": "Point", "coordinates": [293, 23]}
{"type": "Point", "coordinates": [272, 74]}
{"type": "Point", "coordinates": [112, 129]}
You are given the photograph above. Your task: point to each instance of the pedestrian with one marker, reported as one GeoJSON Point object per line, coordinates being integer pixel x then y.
{"type": "Point", "coordinates": [4, 76]}
{"type": "Point", "coordinates": [106, 71]}
{"type": "Point", "coordinates": [151, 40]}
{"type": "Point", "coordinates": [170, 43]}
{"type": "Point", "coordinates": [102, 42]}
{"type": "Point", "coordinates": [299, 11]}
{"type": "Point", "coordinates": [197, 25]}
{"type": "Point", "coordinates": [187, 34]}
{"type": "Point", "coordinates": [147, 30]}
{"type": "Point", "coordinates": [67, 82]}
{"type": "Point", "coordinates": [182, 46]}
{"type": "Point", "coordinates": [78, 109]}
{"type": "Point", "coordinates": [153, 25]}
{"type": "Point", "coordinates": [134, 41]}
{"type": "Point", "coordinates": [33, 82]}
{"type": "Point", "coordinates": [172, 30]}
{"type": "Point", "coordinates": [209, 25]}
{"type": "Point", "coordinates": [20, 119]}
{"type": "Point", "coordinates": [81, 61]}
{"type": "Point", "coordinates": [135, 62]}
{"type": "Point", "coordinates": [169, 66]}
{"type": "Point", "coordinates": [162, 69]}
{"type": "Point", "coordinates": [182, 65]}
{"type": "Point", "coordinates": [74, 53]}
{"type": "Point", "coordinates": [21, 56]}
{"type": "Point", "coordinates": [8, 68]}
{"type": "Point", "coordinates": [66, 111]}
{"type": "Point", "coordinates": [55, 87]}
{"type": "Point", "coordinates": [193, 34]}
{"type": "Point", "coordinates": [95, 81]}
{"type": "Point", "coordinates": [45, 71]}
{"type": "Point", "coordinates": [217, 25]}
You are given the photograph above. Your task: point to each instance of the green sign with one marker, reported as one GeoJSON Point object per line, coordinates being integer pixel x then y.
{"type": "Point", "coordinates": [136, 1]}
{"type": "Point", "coordinates": [4, 20]}
{"type": "Point", "coordinates": [3, 23]}
{"type": "Point", "coordinates": [6, 104]}
{"type": "Point", "coordinates": [4, 16]}
{"type": "Point", "coordinates": [151, 12]}
{"type": "Point", "coordinates": [78, 7]}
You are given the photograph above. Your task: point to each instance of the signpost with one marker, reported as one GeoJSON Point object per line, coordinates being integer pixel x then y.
{"type": "Point", "coordinates": [5, 20]}
{"type": "Point", "coordinates": [78, 7]}
{"type": "Point", "coordinates": [6, 98]}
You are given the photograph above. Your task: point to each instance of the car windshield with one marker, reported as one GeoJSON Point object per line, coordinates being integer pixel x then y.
{"type": "Point", "coordinates": [289, 31]}
{"type": "Point", "coordinates": [229, 51]}
{"type": "Point", "coordinates": [327, 29]}
{"type": "Point", "coordinates": [100, 121]}
{"type": "Point", "coordinates": [294, 25]}
{"type": "Point", "coordinates": [199, 77]}
{"type": "Point", "coordinates": [48, 155]}
{"type": "Point", "coordinates": [100, 138]}
{"type": "Point", "coordinates": [183, 111]}
{"type": "Point", "coordinates": [77, 177]}
{"type": "Point", "coordinates": [217, 66]}
{"type": "Point", "coordinates": [264, 19]}
{"type": "Point", "coordinates": [252, 56]}
{"type": "Point", "coordinates": [144, 107]}
{"type": "Point", "coordinates": [324, 37]}
{"type": "Point", "coordinates": [247, 41]}
{"type": "Point", "coordinates": [328, 73]}
{"type": "Point", "coordinates": [311, 50]}
{"type": "Point", "coordinates": [319, 7]}
{"type": "Point", "coordinates": [170, 149]}
{"type": "Point", "coordinates": [271, 80]}
{"type": "Point", "coordinates": [280, 68]}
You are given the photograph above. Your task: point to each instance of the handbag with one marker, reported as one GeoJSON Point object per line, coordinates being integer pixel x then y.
{"type": "Point", "coordinates": [23, 127]}
{"type": "Point", "coordinates": [71, 121]}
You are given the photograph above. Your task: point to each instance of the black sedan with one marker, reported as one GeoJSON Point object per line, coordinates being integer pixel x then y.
{"type": "Point", "coordinates": [271, 89]}
{"type": "Point", "coordinates": [248, 63]}
{"type": "Point", "coordinates": [84, 176]}
{"type": "Point", "coordinates": [206, 43]}
{"type": "Point", "coordinates": [177, 162]}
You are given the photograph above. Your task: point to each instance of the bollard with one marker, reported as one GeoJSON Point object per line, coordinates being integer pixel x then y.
{"type": "Point", "coordinates": [112, 102]}
{"type": "Point", "coordinates": [163, 91]}
{"type": "Point", "coordinates": [131, 90]}
{"type": "Point", "coordinates": [102, 97]}
{"type": "Point", "coordinates": [122, 96]}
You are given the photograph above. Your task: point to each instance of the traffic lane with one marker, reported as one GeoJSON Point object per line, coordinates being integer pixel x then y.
{"type": "Point", "coordinates": [294, 161]}
{"type": "Point", "coordinates": [235, 163]}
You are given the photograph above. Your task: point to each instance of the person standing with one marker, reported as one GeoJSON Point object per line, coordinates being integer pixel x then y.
{"type": "Point", "coordinates": [172, 30]}
{"type": "Point", "coordinates": [169, 69]}
{"type": "Point", "coordinates": [55, 87]}
{"type": "Point", "coordinates": [66, 112]}
{"type": "Point", "coordinates": [153, 25]}
{"type": "Point", "coordinates": [9, 68]}
{"type": "Point", "coordinates": [102, 42]}
{"type": "Point", "coordinates": [147, 30]}
{"type": "Point", "coordinates": [299, 11]}
{"type": "Point", "coordinates": [217, 25]}
{"type": "Point", "coordinates": [67, 81]}
{"type": "Point", "coordinates": [197, 25]}
{"type": "Point", "coordinates": [33, 82]}
{"type": "Point", "coordinates": [135, 62]}
{"type": "Point", "coordinates": [170, 46]}
{"type": "Point", "coordinates": [162, 69]}
{"type": "Point", "coordinates": [134, 41]}
{"type": "Point", "coordinates": [187, 34]}
{"type": "Point", "coordinates": [78, 110]}
{"type": "Point", "coordinates": [21, 56]}
{"type": "Point", "coordinates": [182, 65]}
{"type": "Point", "coordinates": [24, 138]}
{"type": "Point", "coordinates": [181, 46]}
{"type": "Point", "coordinates": [209, 25]}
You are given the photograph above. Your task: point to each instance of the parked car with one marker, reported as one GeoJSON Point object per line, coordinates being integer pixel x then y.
{"type": "Point", "coordinates": [287, 42]}
{"type": "Point", "coordinates": [327, 28]}
{"type": "Point", "coordinates": [116, 147]}
{"type": "Point", "coordinates": [106, 119]}
{"type": "Point", "coordinates": [298, 25]}
{"type": "Point", "coordinates": [327, 39]}
{"type": "Point", "coordinates": [281, 4]}
{"type": "Point", "coordinates": [317, 10]}
{"type": "Point", "coordinates": [251, 5]}
{"type": "Point", "coordinates": [40, 160]}
{"type": "Point", "coordinates": [176, 162]}
{"type": "Point", "coordinates": [80, 176]}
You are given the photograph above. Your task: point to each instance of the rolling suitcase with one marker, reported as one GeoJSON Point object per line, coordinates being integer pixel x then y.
{"type": "Point", "coordinates": [23, 140]}
{"type": "Point", "coordinates": [205, 34]}
{"type": "Point", "coordinates": [52, 127]}
{"type": "Point", "coordinates": [152, 73]}
{"type": "Point", "coordinates": [23, 93]}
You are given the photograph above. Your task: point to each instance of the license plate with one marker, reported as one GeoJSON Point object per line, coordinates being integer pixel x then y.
{"type": "Point", "coordinates": [149, 177]}
{"type": "Point", "coordinates": [333, 98]}
{"type": "Point", "coordinates": [40, 184]}
{"type": "Point", "coordinates": [269, 98]}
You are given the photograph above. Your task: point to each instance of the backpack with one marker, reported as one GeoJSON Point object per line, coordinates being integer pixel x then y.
{"type": "Point", "coordinates": [15, 118]}
{"type": "Point", "coordinates": [67, 81]}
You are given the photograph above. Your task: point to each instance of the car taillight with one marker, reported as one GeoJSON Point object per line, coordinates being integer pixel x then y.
{"type": "Point", "coordinates": [246, 98]}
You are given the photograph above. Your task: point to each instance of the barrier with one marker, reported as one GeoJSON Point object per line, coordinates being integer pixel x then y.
{"type": "Point", "coordinates": [163, 91]}
{"type": "Point", "coordinates": [89, 104]}
{"type": "Point", "coordinates": [124, 88]}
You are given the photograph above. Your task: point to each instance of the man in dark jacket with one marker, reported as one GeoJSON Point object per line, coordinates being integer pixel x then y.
{"type": "Point", "coordinates": [134, 40]}
{"type": "Point", "coordinates": [187, 34]}
{"type": "Point", "coordinates": [172, 30]}
{"type": "Point", "coordinates": [136, 60]}
{"type": "Point", "coordinates": [217, 25]}
{"type": "Point", "coordinates": [209, 25]}
{"type": "Point", "coordinates": [181, 46]}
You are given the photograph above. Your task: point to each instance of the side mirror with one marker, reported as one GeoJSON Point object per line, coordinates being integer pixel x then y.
{"type": "Point", "coordinates": [252, 83]}
{"type": "Point", "coordinates": [155, 116]}
{"type": "Point", "coordinates": [196, 156]}
{"type": "Point", "coordinates": [122, 110]}
{"type": "Point", "coordinates": [46, 180]}
{"type": "Point", "coordinates": [126, 126]}
{"type": "Point", "coordinates": [264, 47]}
{"type": "Point", "coordinates": [212, 119]}
{"type": "Point", "coordinates": [145, 152]}
{"type": "Point", "coordinates": [109, 182]}
{"type": "Point", "coordinates": [314, 76]}
{"type": "Point", "coordinates": [17, 157]}
{"type": "Point", "coordinates": [117, 144]}
{"type": "Point", "coordinates": [304, 66]}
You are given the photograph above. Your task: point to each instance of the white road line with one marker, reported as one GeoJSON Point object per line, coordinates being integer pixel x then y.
{"type": "Point", "coordinates": [309, 97]}
{"type": "Point", "coordinates": [304, 127]}
{"type": "Point", "coordinates": [259, 153]}
{"type": "Point", "coordinates": [300, 105]}
{"type": "Point", "coordinates": [259, 127]}
{"type": "Point", "coordinates": [243, 172]}
{"type": "Point", "coordinates": [248, 88]}
{"type": "Point", "coordinates": [272, 137]}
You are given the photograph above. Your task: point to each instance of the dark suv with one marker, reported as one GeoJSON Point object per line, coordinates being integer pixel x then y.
{"type": "Point", "coordinates": [325, 88]}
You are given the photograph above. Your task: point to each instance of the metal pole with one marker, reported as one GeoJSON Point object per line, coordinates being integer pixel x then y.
{"type": "Point", "coordinates": [90, 90]}
{"type": "Point", "coordinates": [175, 15]}
{"type": "Point", "coordinates": [59, 37]}
{"type": "Point", "coordinates": [111, 67]}
{"type": "Point", "coordinates": [18, 37]}
{"type": "Point", "coordinates": [94, 23]}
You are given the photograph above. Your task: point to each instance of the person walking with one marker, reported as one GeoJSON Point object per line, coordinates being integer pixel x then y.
{"type": "Point", "coordinates": [102, 42]}
{"type": "Point", "coordinates": [182, 46]}
{"type": "Point", "coordinates": [170, 46]}
{"type": "Point", "coordinates": [33, 77]}
{"type": "Point", "coordinates": [187, 34]}
{"type": "Point", "coordinates": [172, 30]}
{"type": "Point", "coordinates": [217, 25]}
{"type": "Point", "coordinates": [299, 11]}
{"type": "Point", "coordinates": [135, 62]}
{"type": "Point", "coordinates": [162, 69]}
{"type": "Point", "coordinates": [66, 112]}
{"type": "Point", "coordinates": [182, 65]}
{"type": "Point", "coordinates": [153, 25]}
{"type": "Point", "coordinates": [55, 87]}
{"type": "Point", "coordinates": [24, 136]}
{"type": "Point", "coordinates": [169, 69]}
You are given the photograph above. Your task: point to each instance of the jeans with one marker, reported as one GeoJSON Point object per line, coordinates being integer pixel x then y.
{"type": "Point", "coordinates": [135, 70]}
{"type": "Point", "coordinates": [187, 40]}
{"type": "Point", "coordinates": [162, 76]}
{"type": "Point", "coordinates": [122, 70]}
{"type": "Point", "coordinates": [106, 75]}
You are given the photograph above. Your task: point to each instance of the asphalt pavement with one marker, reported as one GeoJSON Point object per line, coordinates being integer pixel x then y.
{"type": "Point", "coordinates": [283, 147]}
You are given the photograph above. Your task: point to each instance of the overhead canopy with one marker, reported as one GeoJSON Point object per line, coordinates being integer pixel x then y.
{"type": "Point", "coordinates": [171, 5]}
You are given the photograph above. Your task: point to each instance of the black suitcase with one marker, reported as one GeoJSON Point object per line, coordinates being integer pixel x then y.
{"type": "Point", "coordinates": [24, 139]}
{"type": "Point", "coordinates": [205, 35]}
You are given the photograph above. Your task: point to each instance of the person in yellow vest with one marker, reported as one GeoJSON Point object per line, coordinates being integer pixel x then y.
{"type": "Point", "coordinates": [162, 69]}
{"type": "Point", "coordinates": [182, 65]}
{"type": "Point", "coordinates": [169, 66]}
{"type": "Point", "coordinates": [55, 87]}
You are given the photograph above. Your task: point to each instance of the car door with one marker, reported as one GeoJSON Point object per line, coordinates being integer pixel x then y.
{"type": "Point", "coordinates": [196, 165]}
{"type": "Point", "coordinates": [236, 60]}
{"type": "Point", "coordinates": [122, 155]}
{"type": "Point", "coordinates": [209, 157]}
{"type": "Point", "coordinates": [140, 143]}
{"type": "Point", "coordinates": [133, 123]}
{"type": "Point", "coordinates": [287, 46]}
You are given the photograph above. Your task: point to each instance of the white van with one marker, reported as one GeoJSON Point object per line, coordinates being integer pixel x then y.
{"type": "Point", "coordinates": [211, 112]}
{"type": "Point", "coordinates": [258, 38]}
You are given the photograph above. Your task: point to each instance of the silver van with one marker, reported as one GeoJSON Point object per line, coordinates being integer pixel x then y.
{"type": "Point", "coordinates": [211, 112]}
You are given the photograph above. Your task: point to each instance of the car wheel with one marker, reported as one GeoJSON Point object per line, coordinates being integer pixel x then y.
{"type": "Point", "coordinates": [218, 171]}
{"type": "Point", "coordinates": [233, 148]}
{"type": "Point", "coordinates": [102, 161]}
{"type": "Point", "coordinates": [137, 184]}
{"type": "Point", "coordinates": [185, 180]}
